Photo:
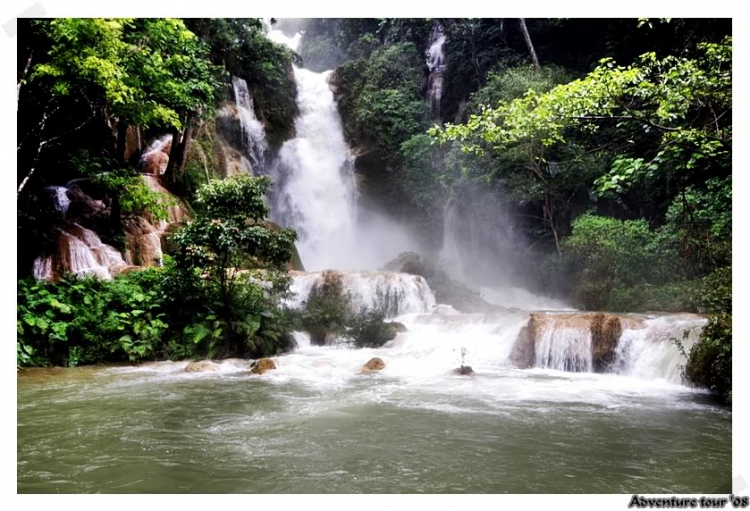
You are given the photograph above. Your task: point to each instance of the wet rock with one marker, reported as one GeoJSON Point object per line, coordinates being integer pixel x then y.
{"type": "Point", "coordinates": [155, 163]}
{"type": "Point", "coordinates": [201, 366]}
{"type": "Point", "coordinates": [447, 291]}
{"type": "Point", "coordinates": [321, 338]}
{"type": "Point", "coordinates": [398, 327]}
{"type": "Point", "coordinates": [605, 334]}
{"type": "Point", "coordinates": [374, 364]}
{"type": "Point", "coordinates": [524, 350]}
{"type": "Point", "coordinates": [262, 366]}
{"type": "Point", "coordinates": [83, 207]}
{"type": "Point", "coordinates": [464, 371]}
{"type": "Point", "coordinates": [605, 331]}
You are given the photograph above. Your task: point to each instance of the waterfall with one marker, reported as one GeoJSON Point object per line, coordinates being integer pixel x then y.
{"type": "Point", "coordinates": [155, 158]}
{"type": "Point", "coordinates": [80, 251]}
{"type": "Point", "coordinates": [436, 65]}
{"type": "Point", "coordinates": [564, 349]}
{"type": "Point", "coordinates": [396, 293]}
{"type": "Point", "coordinates": [650, 352]}
{"type": "Point", "coordinates": [645, 349]}
{"type": "Point", "coordinates": [315, 191]}
{"type": "Point", "coordinates": [254, 141]}
{"type": "Point", "coordinates": [450, 254]}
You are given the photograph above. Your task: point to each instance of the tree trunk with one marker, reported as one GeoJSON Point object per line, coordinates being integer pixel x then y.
{"type": "Point", "coordinates": [178, 153]}
{"type": "Point", "coordinates": [169, 173]}
{"type": "Point", "coordinates": [122, 141]}
{"type": "Point", "coordinates": [530, 45]}
{"type": "Point", "coordinates": [22, 78]}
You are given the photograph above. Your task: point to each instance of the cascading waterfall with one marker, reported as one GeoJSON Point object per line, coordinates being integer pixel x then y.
{"type": "Point", "coordinates": [253, 133]}
{"type": "Point", "coordinates": [564, 349]}
{"type": "Point", "coordinates": [436, 65]}
{"type": "Point", "coordinates": [315, 190]}
{"type": "Point", "coordinates": [82, 252]}
{"type": "Point", "coordinates": [652, 353]}
{"type": "Point", "coordinates": [395, 293]}
{"type": "Point", "coordinates": [155, 158]}
{"type": "Point", "coordinates": [451, 253]}
{"type": "Point", "coordinates": [317, 196]}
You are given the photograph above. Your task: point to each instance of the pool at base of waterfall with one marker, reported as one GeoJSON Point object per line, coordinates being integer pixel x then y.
{"type": "Point", "coordinates": [316, 425]}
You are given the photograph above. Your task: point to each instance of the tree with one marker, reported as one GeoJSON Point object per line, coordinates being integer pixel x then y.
{"type": "Point", "coordinates": [237, 261]}
{"type": "Point", "coordinates": [529, 44]}
{"type": "Point", "coordinates": [671, 116]}
{"type": "Point", "coordinates": [145, 72]}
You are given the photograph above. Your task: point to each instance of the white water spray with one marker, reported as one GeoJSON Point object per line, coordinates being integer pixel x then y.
{"type": "Point", "coordinates": [395, 293]}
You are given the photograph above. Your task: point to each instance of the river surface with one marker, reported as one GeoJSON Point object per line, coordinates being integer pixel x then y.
{"type": "Point", "coordinates": [315, 425]}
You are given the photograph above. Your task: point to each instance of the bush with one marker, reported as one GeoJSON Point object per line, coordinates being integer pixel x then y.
{"type": "Point", "coordinates": [328, 310]}
{"type": "Point", "coordinates": [606, 256]}
{"type": "Point", "coordinates": [369, 329]}
{"type": "Point", "coordinates": [80, 321]}
{"type": "Point", "coordinates": [710, 360]}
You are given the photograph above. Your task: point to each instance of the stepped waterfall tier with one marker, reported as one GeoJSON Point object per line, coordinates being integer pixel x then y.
{"type": "Point", "coordinates": [391, 255]}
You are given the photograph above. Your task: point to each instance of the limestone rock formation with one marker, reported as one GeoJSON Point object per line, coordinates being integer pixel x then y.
{"type": "Point", "coordinates": [447, 291]}
{"type": "Point", "coordinates": [604, 331]}
{"type": "Point", "coordinates": [374, 364]}
{"type": "Point", "coordinates": [262, 366]}
{"type": "Point", "coordinates": [524, 351]}
{"type": "Point", "coordinates": [201, 366]}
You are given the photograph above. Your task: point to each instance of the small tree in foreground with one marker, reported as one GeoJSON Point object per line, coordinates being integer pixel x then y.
{"type": "Point", "coordinates": [235, 263]}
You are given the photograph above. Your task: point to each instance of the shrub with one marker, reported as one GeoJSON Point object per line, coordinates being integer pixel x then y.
{"type": "Point", "coordinates": [88, 320]}
{"type": "Point", "coordinates": [710, 360]}
{"type": "Point", "coordinates": [369, 330]}
{"type": "Point", "coordinates": [328, 309]}
{"type": "Point", "coordinates": [606, 254]}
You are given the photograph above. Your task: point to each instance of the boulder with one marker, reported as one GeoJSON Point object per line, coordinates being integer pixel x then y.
{"type": "Point", "coordinates": [155, 163]}
{"type": "Point", "coordinates": [374, 364]}
{"type": "Point", "coordinates": [396, 326]}
{"type": "Point", "coordinates": [321, 338]}
{"type": "Point", "coordinates": [262, 366]}
{"type": "Point", "coordinates": [464, 371]}
{"type": "Point", "coordinates": [201, 366]}
{"type": "Point", "coordinates": [447, 291]}
{"type": "Point", "coordinates": [524, 350]}
{"type": "Point", "coordinates": [605, 334]}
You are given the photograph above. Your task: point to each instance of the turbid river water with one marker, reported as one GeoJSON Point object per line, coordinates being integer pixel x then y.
{"type": "Point", "coordinates": [316, 425]}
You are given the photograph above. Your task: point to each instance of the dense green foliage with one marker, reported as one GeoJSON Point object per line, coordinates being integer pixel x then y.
{"type": "Point", "coordinates": [219, 297]}
{"type": "Point", "coordinates": [234, 262]}
{"type": "Point", "coordinates": [241, 47]}
{"type": "Point", "coordinates": [80, 321]}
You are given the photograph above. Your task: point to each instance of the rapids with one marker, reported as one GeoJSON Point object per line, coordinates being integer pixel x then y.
{"type": "Point", "coordinates": [315, 425]}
